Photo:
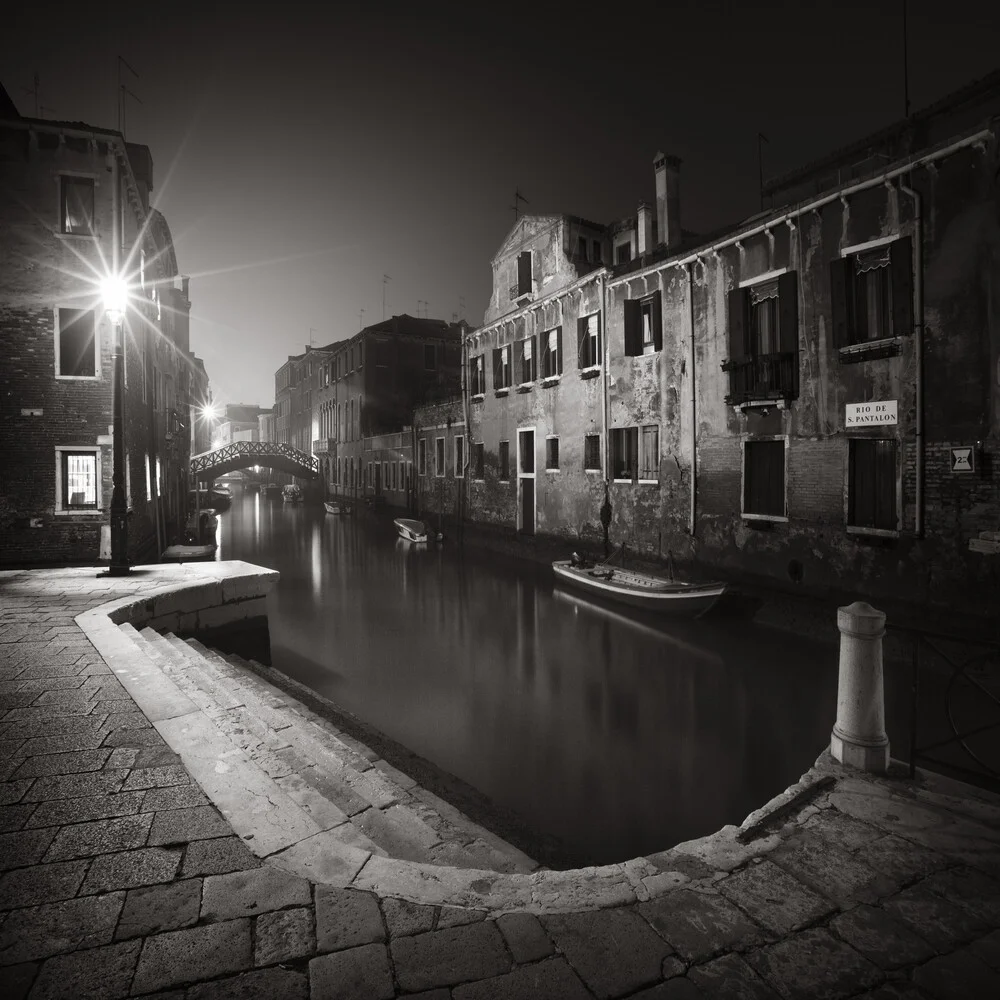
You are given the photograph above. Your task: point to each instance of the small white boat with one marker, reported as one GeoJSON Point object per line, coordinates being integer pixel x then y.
{"type": "Point", "coordinates": [412, 531]}
{"type": "Point", "coordinates": [338, 506]}
{"type": "Point", "coordinates": [640, 590]}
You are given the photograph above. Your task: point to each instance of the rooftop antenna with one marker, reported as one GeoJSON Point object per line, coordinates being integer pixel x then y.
{"type": "Point", "coordinates": [906, 69]}
{"type": "Point", "coordinates": [312, 330]}
{"type": "Point", "coordinates": [385, 280]}
{"type": "Point", "coordinates": [125, 91]}
{"type": "Point", "coordinates": [760, 165]}
{"type": "Point", "coordinates": [361, 320]}
{"type": "Point", "coordinates": [121, 93]}
{"type": "Point", "coordinates": [425, 304]}
{"type": "Point", "coordinates": [461, 305]}
{"type": "Point", "coordinates": [518, 197]}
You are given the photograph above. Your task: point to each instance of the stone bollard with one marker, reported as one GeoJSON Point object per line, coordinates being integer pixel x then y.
{"type": "Point", "coordinates": [859, 738]}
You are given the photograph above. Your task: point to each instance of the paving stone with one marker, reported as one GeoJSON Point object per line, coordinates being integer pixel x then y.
{"type": "Point", "coordinates": [438, 994]}
{"type": "Point", "coordinates": [399, 831]}
{"type": "Point", "coordinates": [64, 786]}
{"type": "Point", "coordinates": [42, 713]}
{"type": "Point", "coordinates": [98, 837]}
{"type": "Point", "coordinates": [157, 777]}
{"type": "Point", "coordinates": [672, 966]}
{"type": "Point", "coordinates": [130, 869]}
{"type": "Point", "coordinates": [247, 893]}
{"type": "Point", "coordinates": [262, 984]}
{"type": "Point", "coordinates": [814, 965]}
{"type": "Point", "coordinates": [822, 866]}
{"type": "Point", "coordinates": [155, 756]}
{"type": "Point", "coordinates": [449, 956]}
{"type": "Point", "coordinates": [67, 743]}
{"type": "Point", "coordinates": [14, 817]}
{"type": "Point", "coordinates": [53, 928]}
{"type": "Point", "coordinates": [613, 951]}
{"type": "Point", "coordinates": [988, 949]}
{"type": "Point", "coordinates": [880, 938]}
{"type": "Point", "coordinates": [17, 980]}
{"type": "Point", "coordinates": [899, 859]}
{"type": "Point", "coordinates": [100, 973]}
{"type": "Point", "coordinates": [175, 797]}
{"type": "Point", "coordinates": [178, 826]}
{"type": "Point", "coordinates": [122, 757]}
{"type": "Point", "coordinates": [346, 918]}
{"type": "Point", "coordinates": [403, 917]}
{"type": "Point", "coordinates": [117, 721]}
{"type": "Point", "coordinates": [525, 937]}
{"type": "Point", "coordinates": [893, 991]}
{"type": "Point", "coordinates": [216, 857]}
{"type": "Point", "coordinates": [64, 763]}
{"type": "Point", "coordinates": [59, 812]}
{"type": "Point", "coordinates": [13, 791]}
{"type": "Point", "coordinates": [24, 847]}
{"type": "Point", "coordinates": [360, 973]}
{"type": "Point", "coordinates": [41, 884]}
{"type": "Point", "coordinates": [958, 976]}
{"type": "Point", "coordinates": [159, 908]}
{"type": "Point", "coordinates": [456, 916]}
{"type": "Point", "coordinates": [941, 923]}
{"type": "Point", "coordinates": [699, 925]}
{"type": "Point", "coordinates": [674, 989]}
{"type": "Point", "coordinates": [971, 889]}
{"type": "Point", "coordinates": [773, 898]}
{"type": "Point", "coordinates": [130, 736]}
{"type": "Point", "coordinates": [552, 979]}
{"type": "Point", "coordinates": [730, 978]}
{"type": "Point", "coordinates": [284, 935]}
{"type": "Point", "coordinates": [193, 955]}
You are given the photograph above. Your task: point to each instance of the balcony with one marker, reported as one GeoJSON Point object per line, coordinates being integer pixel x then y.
{"type": "Point", "coordinates": [761, 378]}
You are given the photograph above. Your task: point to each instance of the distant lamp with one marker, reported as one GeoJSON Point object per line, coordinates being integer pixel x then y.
{"type": "Point", "coordinates": [114, 291]}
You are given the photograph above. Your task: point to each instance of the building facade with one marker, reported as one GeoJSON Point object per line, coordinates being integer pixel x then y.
{"type": "Point", "coordinates": [812, 396]}
{"type": "Point", "coordinates": [75, 199]}
{"type": "Point", "coordinates": [442, 460]}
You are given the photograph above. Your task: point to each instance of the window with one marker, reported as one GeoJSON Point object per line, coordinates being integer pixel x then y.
{"type": "Point", "coordinates": [588, 338]}
{"type": "Point", "coordinates": [381, 355]}
{"type": "Point", "coordinates": [764, 478]}
{"type": "Point", "coordinates": [480, 460]}
{"type": "Point", "coordinates": [524, 273]}
{"type": "Point", "coordinates": [430, 357]}
{"type": "Point", "coordinates": [459, 456]}
{"type": "Point", "coordinates": [552, 353]}
{"type": "Point", "coordinates": [871, 294]}
{"type": "Point", "coordinates": [592, 452]}
{"type": "Point", "coordinates": [649, 453]}
{"type": "Point", "coordinates": [527, 361]}
{"type": "Point", "coordinates": [77, 344]}
{"type": "Point", "coordinates": [385, 475]}
{"type": "Point", "coordinates": [643, 325]}
{"type": "Point", "coordinates": [552, 454]}
{"type": "Point", "coordinates": [501, 368]}
{"type": "Point", "coordinates": [581, 247]}
{"type": "Point", "coordinates": [871, 487]}
{"type": "Point", "coordinates": [623, 253]}
{"type": "Point", "coordinates": [624, 443]}
{"type": "Point", "coordinates": [422, 457]}
{"type": "Point", "coordinates": [763, 360]}
{"type": "Point", "coordinates": [598, 256]}
{"type": "Point", "coordinates": [78, 479]}
{"type": "Point", "coordinates": [77, 205]}
{"type": "Point", "coordinates": [439, 456]}
{"type": "Point", "coordinates": [478, 377]}
{"type": "Point", "coordinates": [504, 460]}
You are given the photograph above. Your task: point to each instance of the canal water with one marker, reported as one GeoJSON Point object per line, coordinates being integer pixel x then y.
{"type": "Point", "coordinates": [602, 730]}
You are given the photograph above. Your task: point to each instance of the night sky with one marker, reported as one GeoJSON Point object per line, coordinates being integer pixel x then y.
{"type": "Point", "coordinates": [301, 151]}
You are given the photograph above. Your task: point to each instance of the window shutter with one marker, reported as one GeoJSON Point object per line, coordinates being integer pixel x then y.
{"type": "Point", "coordinates": [737, 324]}
{"type": "Point", "coordinates": [559, 363]}
{"type": "Point", "coordinates": [524, 273]}
{"type": "Point", "coordinates": [519, 373]}
{"type": "Point", "coordinates": [497, 370]}
{"type": "Point", "coordinates": [840, 306]}
{"type": "Point", "coordinates": [901, 265]}
{"type": "Point", "coordinates": [633, 327]}
{"type": "Point", "coordinates": [657, 311]}
{"type": "Point", "coordinates": [788, 324]}
{"type": "Point", "coordinates": [582, 344]}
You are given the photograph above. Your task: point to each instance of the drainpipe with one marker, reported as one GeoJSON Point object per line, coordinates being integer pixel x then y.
{"type": "Point", "coordinates": [605, 375]}
{"type": "Point", "coordinates": [693, 413]}
{"type": "Point", "coordinates": [918, 334]}
{"type": "Point", "coordinates": [467, 409]}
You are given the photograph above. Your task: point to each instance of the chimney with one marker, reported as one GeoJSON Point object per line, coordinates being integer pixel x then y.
{"type": "Point", "coordinates": [645, 227]}
{"type": "Point", "coordinates": [668, 198]}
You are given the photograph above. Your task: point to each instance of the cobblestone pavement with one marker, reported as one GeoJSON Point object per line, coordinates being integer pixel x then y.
{"type": "Point", "coordinates": [120, 878]}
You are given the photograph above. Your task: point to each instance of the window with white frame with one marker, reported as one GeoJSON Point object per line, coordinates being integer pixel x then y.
{"type": "Point", "coordinates": [480, 454]}
{"type": "Point", "coordinates": [552, 454]}
{"type": "Point", "coordinates": [643, 325]}
{"type": "Point", "coordinates": [871, 294]}
{"type": "Point", "coordinates": [527, 361]}
{"type": "Point", "coordinates": [439, 456]}
{"type": "Point", "coordinates": [78, 479]}
{"type": "Point", "coordinates": [76, 196]}
{"type": "Point", "coordinates": [501, 368]}
{"type": "Point", "coordinates": [76, 344]}
{"type": "Point", "coordinates": [422, 457]}
{"type": "Point", "coordinates": [459, 456]}
{"type": "Point", "coordinates": [624, 453]}
{"type": "Point", "coordinates": [478, 375]}
{"type": "Point", "coordinates": [504, 458]}
{"type": "Point", "coordinates": [592, 453]}
{"type": "Point", "coordinates": [588, 338]}
{"type": "Point", "coordinates": [552, 353]}
{"type": "Point", "coordinates": [649, 453]}
{"type": "Point", "coordinates": [764, 478]}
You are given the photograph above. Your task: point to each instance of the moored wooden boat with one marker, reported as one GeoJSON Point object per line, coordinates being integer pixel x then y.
{"type": "Point", "coordinates": [410, 529]}
{"type": "Point", "coordinates": [640, 590]}
{"type": "Point", "coordinates": [188, 553]}
{"type": "Point", "coordinates": [338, 506]}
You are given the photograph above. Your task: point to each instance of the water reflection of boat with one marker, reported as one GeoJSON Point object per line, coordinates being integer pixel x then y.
{"type": "Point", "coordinates": [292, 493]}
{"type": "Point", "coordinates": [633, 623]}
{"type": "Point", "coordinates": [640, 590]}
{"type": "Point", "coordinates": [411, 530]}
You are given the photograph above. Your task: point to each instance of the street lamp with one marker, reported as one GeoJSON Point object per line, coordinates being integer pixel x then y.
{"type": "Point", "coordinates": [115, 294]}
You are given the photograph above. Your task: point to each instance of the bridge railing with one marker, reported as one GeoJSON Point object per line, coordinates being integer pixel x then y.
{"type": "Point", "coordinates": [239, 450]}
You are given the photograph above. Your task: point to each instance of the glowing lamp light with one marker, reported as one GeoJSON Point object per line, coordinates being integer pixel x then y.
{"type": "Point", "coordinates": [114, 291]}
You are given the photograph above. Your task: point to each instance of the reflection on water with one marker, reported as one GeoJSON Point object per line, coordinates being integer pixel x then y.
{"type": "Point", "coordinates": [613, 732]}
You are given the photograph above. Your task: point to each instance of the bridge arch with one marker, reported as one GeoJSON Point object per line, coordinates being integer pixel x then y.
{"type": "Point", "coordinates": [246, 454]}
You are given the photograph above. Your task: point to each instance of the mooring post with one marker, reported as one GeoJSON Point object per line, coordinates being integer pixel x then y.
{"type": "Point", "coordinates": [859, 738]}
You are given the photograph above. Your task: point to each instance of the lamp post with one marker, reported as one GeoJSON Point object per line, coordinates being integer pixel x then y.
{"type": "Point", "coordinates": [115, 295]}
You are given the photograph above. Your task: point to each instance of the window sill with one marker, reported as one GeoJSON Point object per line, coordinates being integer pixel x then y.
{"type": "Point", "coordinates": [593, 472]}
{"type": "Point", "coordinates": [553, 471]}
{"type": "Point", "coordinates": [478, 397]}
{"type": "Point", "coordinates": [550, 381]}
{"type": "Point", "coordinates": [90, 512]}
{"type": "Point", "coordinates": [524, 387]}
{"type": "Point", "coordinates": [479, 480]}
{"type": "Point", "coordinates": [873, 532]}
{"type": "Point", "coordinates": [871, 350]}
{"type": "Point", "coordinates": [501, 392]}
{"type": "Point", "coordinates": [648, 482]}
{"type": "Point", "coordinates": [78, 378]}
{"type": "Point", "coordinates": [647, 350]}
{"type": "Point", "coordinates": [773, 518]}
{"type": "Point", "coordinates": [591, 371]}
{"type": "Point", "coordinates": [626, 482]}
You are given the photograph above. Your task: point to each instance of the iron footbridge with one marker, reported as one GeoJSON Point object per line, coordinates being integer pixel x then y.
{"type": "Point", "coordinates": [247, 454]}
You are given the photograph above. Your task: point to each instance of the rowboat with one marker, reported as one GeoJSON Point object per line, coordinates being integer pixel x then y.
{"type": "Point", "coordinates": [640, 590]}
{"type": "Point", "coordinates": [412, 531]}
{"type": "Point", "coordinates": [188, 553]}
{"type": "Point", "coordinates": [338, 506]}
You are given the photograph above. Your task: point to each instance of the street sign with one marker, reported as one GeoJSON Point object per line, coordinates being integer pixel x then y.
{"type": "Point", "coordinates": [963, 459]}
{"type": "Point", "coordinates": [870, 414]}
